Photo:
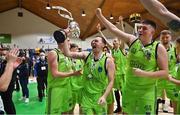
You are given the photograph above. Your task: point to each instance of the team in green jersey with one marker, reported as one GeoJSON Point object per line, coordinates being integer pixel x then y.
{"type": "Point", "coordinates": [146, 62]}
{"type": "Point", "coordinates": [60, 100]}
{"type": "Point", "coordinates": [98, 77]}
{"type": "Point", "coordinates": [142, 89]}
{"type": "Point", "coordinates": [176, 79]}
{"type": "Point", "coordinates": [170, 88]}
{"type": "Point", "coordinates": [77, 81]}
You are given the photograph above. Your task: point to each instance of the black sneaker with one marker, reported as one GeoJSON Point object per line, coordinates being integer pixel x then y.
{"type": "Point", "coordinates": [165, 111]}
{"type": "Point", "coordinates": [118, 110]}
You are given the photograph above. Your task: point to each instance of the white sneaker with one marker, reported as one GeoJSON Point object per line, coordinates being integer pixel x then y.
{"type": "Point", "coordinates": [165, 108]}
{"type": "Point", "coordinates": [26, 100]}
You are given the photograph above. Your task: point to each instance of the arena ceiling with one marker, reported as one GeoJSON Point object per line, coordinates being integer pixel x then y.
{"type": "Point", "coordinates": [88, 23]}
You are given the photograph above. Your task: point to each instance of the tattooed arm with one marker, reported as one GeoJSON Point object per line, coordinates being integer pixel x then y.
{"type": "Point", "coordinates": [158, 10]}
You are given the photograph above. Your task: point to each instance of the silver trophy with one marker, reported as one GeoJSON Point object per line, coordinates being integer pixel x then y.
{"type": "Point", "coordinates": [73, 27]}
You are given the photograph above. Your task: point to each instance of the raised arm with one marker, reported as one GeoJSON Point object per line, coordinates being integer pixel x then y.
{"type": "Point", "coordinates": [107, 42]}
{"type": "Point", "coordinates": [53, 66]}
{"type": "Point", "coordinates": [128, 38]}
{"type": "Point", "coordinates": [110, 66]}
{"type": "Point", "coordinates": [10, 66]}
{"type": "Point", "coordinates": [76, 55]}
{"type": "Point", "coordinates": [121, 22]}
{"type": "Point", "coordinates": [158, 10]}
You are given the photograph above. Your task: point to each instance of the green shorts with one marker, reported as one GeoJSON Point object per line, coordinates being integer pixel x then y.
{"type": "Point", "coordinates": [77, 95]}
{"type": "Point", "coordinates": [90, 104]}
{"type": "Point", "coordinates": [119, 81]}
{"type": "Point", "coordinates": [178, 108]}
{"type": "Point", "coordinates": [138, 101]}
{"type": "Point", "coordinates": [170, 88]}
{"type": "Point", "coordinates": [59, 100]}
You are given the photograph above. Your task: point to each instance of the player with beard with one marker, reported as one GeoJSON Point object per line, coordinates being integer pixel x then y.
{"type": "Point", "coordinates": [98, 77]}
{"type": "Point", "coordinates": [176, 79]}
{"type": "Point", "coordinates": [165, 86]}
{"type": "Point", "coordinates": [119, 60]}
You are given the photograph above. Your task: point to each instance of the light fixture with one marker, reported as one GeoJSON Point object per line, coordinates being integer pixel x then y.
{"type": "Point", "coordinates": [111, 17]}
{"type": "Point", "coordinates": [20, 13]}
{"type": "Point", "coordinates": [83, 13]}
{"type": "Point", "coordinates": [48, 6]}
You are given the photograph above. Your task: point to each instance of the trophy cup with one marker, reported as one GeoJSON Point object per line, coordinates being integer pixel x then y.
{"type": "Point", "coordinates": [135, 18]}
{"type": "Point", "coordinates": [73, 27]}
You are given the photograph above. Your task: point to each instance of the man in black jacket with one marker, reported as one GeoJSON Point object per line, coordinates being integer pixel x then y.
{"type": "Point", "coordinates": [7, 78]}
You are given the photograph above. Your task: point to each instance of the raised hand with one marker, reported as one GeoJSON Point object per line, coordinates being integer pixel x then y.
{"type": "Point", "coordinates": [12, 57]}
{"type": "Point", "coordinates": [98, 27]}
{"type": "Point", "coordinates": [98, 12]}
{"type": "Point", "coordinates": [120, 18]}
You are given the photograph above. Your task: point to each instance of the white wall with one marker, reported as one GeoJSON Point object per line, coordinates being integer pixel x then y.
{"type": "Point", "coordinates": [25, 30]}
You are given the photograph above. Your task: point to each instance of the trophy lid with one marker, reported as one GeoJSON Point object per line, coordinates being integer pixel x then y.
{"type": "Point", "coordinates": [59, 36]}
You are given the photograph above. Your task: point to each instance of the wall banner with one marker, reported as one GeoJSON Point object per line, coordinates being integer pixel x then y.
{"type": "Point", "coordinates": [5, 38]}
{"type": "Point", "coordinates": [45, 40]}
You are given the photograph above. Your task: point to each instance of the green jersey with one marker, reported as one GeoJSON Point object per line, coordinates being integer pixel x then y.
{"type": "Point", "coordinates": [172, 60]}
{"type": "Point", "coordinates": [64, 65]}
{"type": "Point", "coordinates": [119, 59]}
{"type": "Point", "coordinates": [178, 76]}
{"type": "Point", "coordinates": [144, 58]}
{"type": "Point", "coordinates": [59, 88]}
{"type": "Point", "coordinates": [178, 86]}
{"type": "Point", "coordinates": [171, 90]}
{"type": "Point", "coordinates": [95, 75]}
{"type": "Point", "coordinates": [76, 81]}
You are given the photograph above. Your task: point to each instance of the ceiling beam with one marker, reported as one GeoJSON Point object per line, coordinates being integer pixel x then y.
{"type": "Point", "coordinates": [4, 10]}
{"type": "Point", "coordinates": [170, 2]}
{"type": "Point", "coordinates": [144, 12]}
{"type": "Point", "coordinates": [92, 21]}
{"type": "Point", "coordinates": [176, 10]}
